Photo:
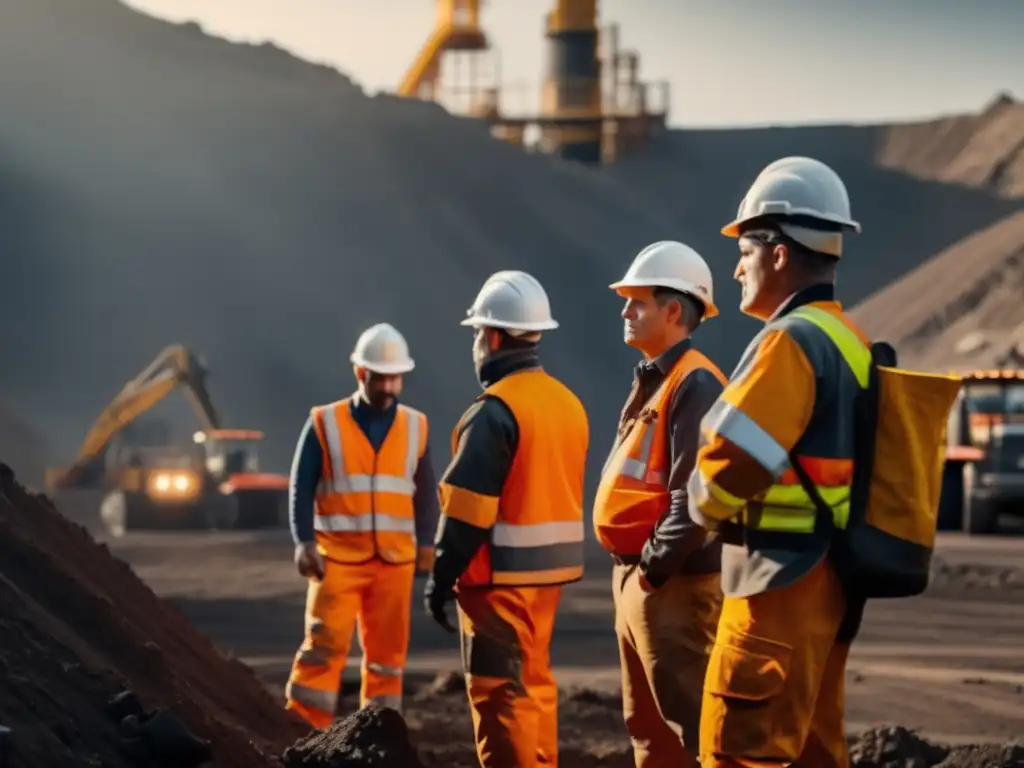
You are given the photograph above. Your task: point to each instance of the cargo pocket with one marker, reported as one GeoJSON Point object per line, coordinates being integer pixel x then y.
{"type": "Point", "coordinates": [746, 711]}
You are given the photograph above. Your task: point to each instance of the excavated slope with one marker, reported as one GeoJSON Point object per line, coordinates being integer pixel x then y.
{"type": "Point", "coordinates": [960, 310]}
{"type": "Point", "coordinates": [78, 627]}
{"type": "Point", "coordinates": [159, 185]}
{"type": "Point", "coordinates": [984, 150]}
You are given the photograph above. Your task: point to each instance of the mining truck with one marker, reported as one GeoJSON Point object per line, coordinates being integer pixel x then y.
{"type": "Point", "coordinates": [983, 480]}
{"type": "Point", "coordinates": [214, 482]}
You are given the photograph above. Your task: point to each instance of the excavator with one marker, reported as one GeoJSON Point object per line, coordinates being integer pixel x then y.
{"type": "Point", "coordinates": [213, 483]}
{"type": "Point", "coordinates": [983, 480]}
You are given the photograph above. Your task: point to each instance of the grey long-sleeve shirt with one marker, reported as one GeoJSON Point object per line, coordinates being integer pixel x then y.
{"type": "Point", "coordinates": [677, 544]}
{"type": "Point", "coordinates": [307, 469]}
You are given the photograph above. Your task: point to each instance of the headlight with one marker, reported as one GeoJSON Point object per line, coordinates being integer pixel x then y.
{"type": "Point", "coordinates": [171, 485]}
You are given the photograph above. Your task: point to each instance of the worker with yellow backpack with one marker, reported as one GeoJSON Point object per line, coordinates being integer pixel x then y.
{"type": "Point", "coordinates": [820, 468]}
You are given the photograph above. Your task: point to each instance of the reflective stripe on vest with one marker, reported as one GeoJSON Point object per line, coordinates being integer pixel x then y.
{"type": "Point", "coordinates": [344, 484]}
{"type": "Point", "coordinates": [365, 500]}
{"type": "Point", "coordinates": [633, 490]}
{"type": "Point", "coordinates": [537, 538]}
{"type": "Point", "coordinates": [786, 507]}
{"type": "Point", "coordinates": [636, 468]}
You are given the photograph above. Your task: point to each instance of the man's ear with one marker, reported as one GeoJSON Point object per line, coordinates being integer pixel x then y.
{"type": "Point", "coordinates": [674, 312]}
{"type": "Point", "coordinates": [780, 257]}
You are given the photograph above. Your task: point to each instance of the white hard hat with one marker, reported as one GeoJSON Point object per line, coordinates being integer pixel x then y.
{"type": "Point", "coordinates": [800, 187]}
{"type": "Point", "coordinates": [513, 301]}
{"type": "Point", "coordinates": [382, 349]}
{"type": "Point", "coordinates": [670, 264]}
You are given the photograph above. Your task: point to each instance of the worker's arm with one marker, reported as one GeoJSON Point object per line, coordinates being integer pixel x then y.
{"type": "Point", "coordinates": [307, 467]}
{"type": "Point", "coordinates": [676, 535]}
{"type": "Point", "coordinates": [747, 435]}
{"type": "Point", "coordinates": [471, 487]}
{"type": "Point", "coordinates": [427, 510]}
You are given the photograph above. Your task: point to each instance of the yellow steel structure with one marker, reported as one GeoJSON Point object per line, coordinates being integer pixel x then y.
{"type": "Point", "coordinates": [593, 107]}
{"type": "Point", "coordinates": [457, 29]}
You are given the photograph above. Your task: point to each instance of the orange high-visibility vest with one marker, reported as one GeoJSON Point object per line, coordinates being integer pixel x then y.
{"type": "Point", "coordinates": [633, 493]}
{"type": "Point", "coordinates": [537, 539]}
{"type": "Point", "coordinates": [364, 503]}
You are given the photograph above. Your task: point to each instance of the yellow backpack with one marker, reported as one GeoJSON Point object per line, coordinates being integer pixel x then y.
{"type": "Point", "coordinates": [886, 548]}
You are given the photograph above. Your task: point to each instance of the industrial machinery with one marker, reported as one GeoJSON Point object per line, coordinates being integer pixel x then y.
{"type": "Point", "coordinates": [215, 482]}
{"type": "Point", "coordinates": [593, 106]}
{"type": "Point", "coordinates": [984, 470]}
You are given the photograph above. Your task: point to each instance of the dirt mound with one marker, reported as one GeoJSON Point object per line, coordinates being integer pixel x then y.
{"type": "Point", "coordinates": [161, 185]}
{"type": "Point", "coordinates": [373, 737]}
{"type": "Point", "coordinates": [77, 627]}
{"type": "Point", "coordinates": [591, 734]}
{"type": "Point", "coordinates": [898, 747]}
{"type": "Point", "coordinates": [984, 150]}
{"type": "Point", "coordinates": [959, 310]}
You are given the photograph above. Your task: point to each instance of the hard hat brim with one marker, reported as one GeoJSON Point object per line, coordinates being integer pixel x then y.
{"type": "Point", "coordinates": [710, 310]}
{"type": "Point", "coordinates": [732, 229]}
{"type": "Point", "coordinates": [487, 322]}
{"type": "Point", "coordinates": [384, 369]}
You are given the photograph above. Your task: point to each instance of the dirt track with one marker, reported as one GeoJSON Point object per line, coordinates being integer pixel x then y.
{"type": "Point", "coordinates": [950, 663]}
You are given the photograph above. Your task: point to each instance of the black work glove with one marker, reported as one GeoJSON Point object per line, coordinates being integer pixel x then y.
{"type": "Point", "coordinates": [649, 574]}
{"type": "Point", "coordinates": [436, 599]}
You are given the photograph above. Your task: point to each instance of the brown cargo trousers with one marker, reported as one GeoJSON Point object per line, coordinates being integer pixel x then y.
{"type": "Point", "coordinates": [665, 640]}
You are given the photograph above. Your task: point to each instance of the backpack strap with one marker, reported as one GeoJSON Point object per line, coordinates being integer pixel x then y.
{"type": "Point", "coordinates": [859, 359]}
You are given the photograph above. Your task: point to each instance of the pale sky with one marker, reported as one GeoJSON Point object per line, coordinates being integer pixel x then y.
{"type": "Point", "coordinates": [729, 62]}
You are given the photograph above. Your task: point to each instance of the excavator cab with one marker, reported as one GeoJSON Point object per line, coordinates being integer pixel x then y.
{"type": "Point", "coordinates": [230, 452]}
{"type": "Point", "coordinates": [255, 499]}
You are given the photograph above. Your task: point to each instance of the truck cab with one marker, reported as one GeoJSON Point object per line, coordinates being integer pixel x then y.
{"type": "Point", "coordinates": [985, 453]}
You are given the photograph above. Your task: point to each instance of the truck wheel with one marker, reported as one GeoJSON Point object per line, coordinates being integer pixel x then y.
{"type": "Point", "coordinates": [283, 518]}
{"type": "Point", "coordinates": [981, 517]}
{"type": "Point", "coordinates": [951, 502]}
{"type": "Point", "coordinates": [220, 513]}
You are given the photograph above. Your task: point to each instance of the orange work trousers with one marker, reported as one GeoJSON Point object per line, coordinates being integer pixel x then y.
{"type": "Point", "coordinates": [506, 642]}
{"type": "Point", "coordinates": [774, 692]}
{"type": "Point", "coordinates": [379, 596]}
{"type": "Point", "coordinates": [665, 640]}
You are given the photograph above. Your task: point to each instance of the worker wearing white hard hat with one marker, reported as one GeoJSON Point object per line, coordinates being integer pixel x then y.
{"type": "Point", "coordinates": [364, 508]}
{"type": "Point", "coordinates": [512, 524]}
{"type": "Point", "coordinates": [640, 510]}
{"type": "Point", "coordinates": [783, 428]}
{"type": "Point", "coordinates": [802, 205]}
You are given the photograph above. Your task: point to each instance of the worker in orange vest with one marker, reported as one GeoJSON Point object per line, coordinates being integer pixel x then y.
{"type": "Point", "coordinates": [666, 583]}
{"type": "Point", "coordinates": [774, 689]}
{"type": "Point", "coordinates": [511, 531]}
{"type": "Point", "coordinates": [363, 509]}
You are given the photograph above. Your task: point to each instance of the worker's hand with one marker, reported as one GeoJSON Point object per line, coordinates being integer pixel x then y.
{"type": "Point", "coordinates": [309, 561]}
{"type": "Point", "coordinates": [436, 602]}
{"type": "Point", "coordinates": [424, 559]}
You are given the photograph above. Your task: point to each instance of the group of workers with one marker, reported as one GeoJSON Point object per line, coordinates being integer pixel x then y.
{"type": "Point", "coordinates": [732, 623]}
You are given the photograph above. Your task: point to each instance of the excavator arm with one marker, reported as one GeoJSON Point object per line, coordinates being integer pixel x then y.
{"type": "Point", "coordinates": [175, 366]}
